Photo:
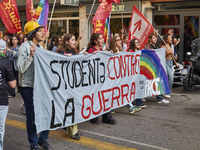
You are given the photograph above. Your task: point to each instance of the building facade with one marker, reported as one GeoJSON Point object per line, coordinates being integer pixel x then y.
{"type": "Point", "coordinates": [181, 15]}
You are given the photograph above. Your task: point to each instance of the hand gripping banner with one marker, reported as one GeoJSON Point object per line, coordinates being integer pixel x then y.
{"type": "Point", "coordinates": [71, 90]}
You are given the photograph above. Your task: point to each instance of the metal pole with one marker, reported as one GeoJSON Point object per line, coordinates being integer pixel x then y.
{"type": "Point", "coordinates": [122, 13]}
{"type": "Point", "coordinates": [50, 20]}
{"type": "Point", "coordinates": [89, 16]}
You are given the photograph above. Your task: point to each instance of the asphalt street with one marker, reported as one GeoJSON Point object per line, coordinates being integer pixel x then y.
{"type": "Point", "coordinates": [174, 126]}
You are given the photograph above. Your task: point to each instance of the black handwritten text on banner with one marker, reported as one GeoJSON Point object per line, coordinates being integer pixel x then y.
{"type": "Point", "coordinates": [71, 90]}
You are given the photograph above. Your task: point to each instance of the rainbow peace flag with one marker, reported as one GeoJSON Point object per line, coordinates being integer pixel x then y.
{"type": "Point", "coordinates": [107, 32]}
{"type": "Point", "coordinates": [42, 12]}
{"type": "Point", "coordinates": [43, 19]}
{"type": "Point", "coordinates": [193, 24]}
{"type": "Point", "coordinates": [151, 68]}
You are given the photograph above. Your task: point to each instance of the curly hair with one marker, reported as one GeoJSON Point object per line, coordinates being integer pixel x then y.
{"type": "Point", "coordinates": [30, 38]}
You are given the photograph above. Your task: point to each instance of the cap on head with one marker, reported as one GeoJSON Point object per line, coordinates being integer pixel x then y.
{"type": "Point", "coordinates": [30, 27]}
{"type": "Point", "coordinates": [2, 45]}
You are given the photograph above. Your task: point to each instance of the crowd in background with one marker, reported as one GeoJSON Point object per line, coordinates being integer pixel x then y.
{"type": "Point", "coordinates": [21, 60]}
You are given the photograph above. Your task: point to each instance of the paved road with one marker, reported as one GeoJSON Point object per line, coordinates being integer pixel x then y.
{"type": "Point", "coordinates": [173, 126]}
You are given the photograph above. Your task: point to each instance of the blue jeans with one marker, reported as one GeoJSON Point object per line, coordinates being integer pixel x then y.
{"type": "Point", "coordinates": [169, 66]}
{"type": "Point", "coordinates": [3, 114]}
{"type": "Point", "coordinates": [27, 95]}
{"type": "Point", "coordinates": [159, 98]}
{"type": "Point", "coordinates": [138, 102]}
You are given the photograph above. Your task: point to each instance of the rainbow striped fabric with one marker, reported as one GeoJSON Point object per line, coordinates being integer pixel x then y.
{"type": "Point", "coordinates": [193, 24]}
{"type": "Point", "coordinates": [151, 68]}
{"type": "Point", "coordinates": [107, 32]}
{"type": "Point", "coordinates": [42, 12]}
{"type": "Point", "coordinates": [43, 19]}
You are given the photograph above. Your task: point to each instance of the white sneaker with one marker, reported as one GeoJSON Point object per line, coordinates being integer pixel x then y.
{"type": "Point", "coordinates": [167, 96]}
{"type": "Point", "coordinates": [163, 101]}
{"type": "Point", "coordinates": [144, 100]}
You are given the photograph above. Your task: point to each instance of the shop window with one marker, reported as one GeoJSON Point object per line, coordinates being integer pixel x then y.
{"type": "Point", "coordinates": [74, 27]}
{"type": "Point", "coordinates": [191, 30]}
{"type": "Point", "coordinates": [164, 31]}
{"type": "Point", "coordinates": [64, 14]}
{"type": "Point", "coordinates": [116, 25]}
{"type": "Point", "coordinates": [167, 20]}
{"type": "Point", "coordinates": [182, 4]}
{"type": "Point", "coordinates": [58, 27]}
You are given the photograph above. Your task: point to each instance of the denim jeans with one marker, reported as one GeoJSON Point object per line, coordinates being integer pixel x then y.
{"type": "Point", "coordinates": [159, 98]}
{"type": "Point", "coordinates": [27, 95]}
{"type": "Point", "coordinates": [3, 114]}
{"type": "Point", "coordinates": [138, 102]}
{"type": "Point", "coordinates": [169, 66]}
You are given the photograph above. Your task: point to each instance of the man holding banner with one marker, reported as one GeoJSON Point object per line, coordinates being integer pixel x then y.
{"type": "Point", "coordinates": [25, 66]}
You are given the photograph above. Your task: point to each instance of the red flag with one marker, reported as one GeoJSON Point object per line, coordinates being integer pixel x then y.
{"type": "Point", "coordinates": [101, 14]}
{"type": "Point", "coordinates": [110, 1]}
{"type": "Point", "coordinates": [99, 26]}
{"type": "Point", "coordinates": [10, 16]}
{"type": "Point", "coordinates": [139, 28]}
{"type": "Point", "coordinates": [29, 10]}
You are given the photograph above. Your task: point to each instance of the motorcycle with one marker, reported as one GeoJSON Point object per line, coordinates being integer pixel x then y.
{"type": "Point", "coordinates": [177, 73]}
{"type": "Point", "coordinates": [192, 77]}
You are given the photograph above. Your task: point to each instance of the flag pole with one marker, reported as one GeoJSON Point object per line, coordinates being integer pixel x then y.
{"type": "Point", "coordinates": [89, 16]}
{"type": "Point", "coordinates": [122, 12]}
{"type": "Point", "coordinates": [167, 47]}
{"type": "Point", "coordinates": [50, 21]}
{"type": "Point", "coordinates": [108, 29]}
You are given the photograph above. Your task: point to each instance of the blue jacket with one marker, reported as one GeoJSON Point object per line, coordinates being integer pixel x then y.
{"type": "Point", "coordinates": [25, 65]}
{"type": "Point", "coordinates": [13, 56]}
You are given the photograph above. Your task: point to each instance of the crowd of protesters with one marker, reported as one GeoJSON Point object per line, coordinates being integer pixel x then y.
{"type": "Point", "coordinates": [16, 65]}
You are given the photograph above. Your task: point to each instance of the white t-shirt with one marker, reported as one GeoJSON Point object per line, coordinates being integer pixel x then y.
{"type": "Point", "coordinates": [124, 47]}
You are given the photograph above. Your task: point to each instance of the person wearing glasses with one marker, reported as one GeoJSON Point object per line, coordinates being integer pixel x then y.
{"type": "Point", "coordinates": [135, 46]}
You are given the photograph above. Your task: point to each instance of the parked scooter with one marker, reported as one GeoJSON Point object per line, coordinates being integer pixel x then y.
{"type": "Point", "coordinates": [192, 78]}
{"type": "Point", "coordinates": [177, 73]}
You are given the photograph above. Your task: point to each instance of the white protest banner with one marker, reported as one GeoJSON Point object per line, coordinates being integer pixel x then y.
{"type": "Point", "coordinates": [71, 90]}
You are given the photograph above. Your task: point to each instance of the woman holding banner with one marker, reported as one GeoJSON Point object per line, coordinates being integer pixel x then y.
{"type": "Point", "coordinates": [68, 48]}
{"type": "Point", "coordinates": [152, 44]}
{"type": "Point", "coordinates": [135, 46]}
{"type": "Point", "coordinates": [25, 67]}
{"type": "Point", "coordinates": [168, 56]}
{"type": "Point", "coordinates": [96, 44]}
{"type": "Point", "coordinates": [115, 46]}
